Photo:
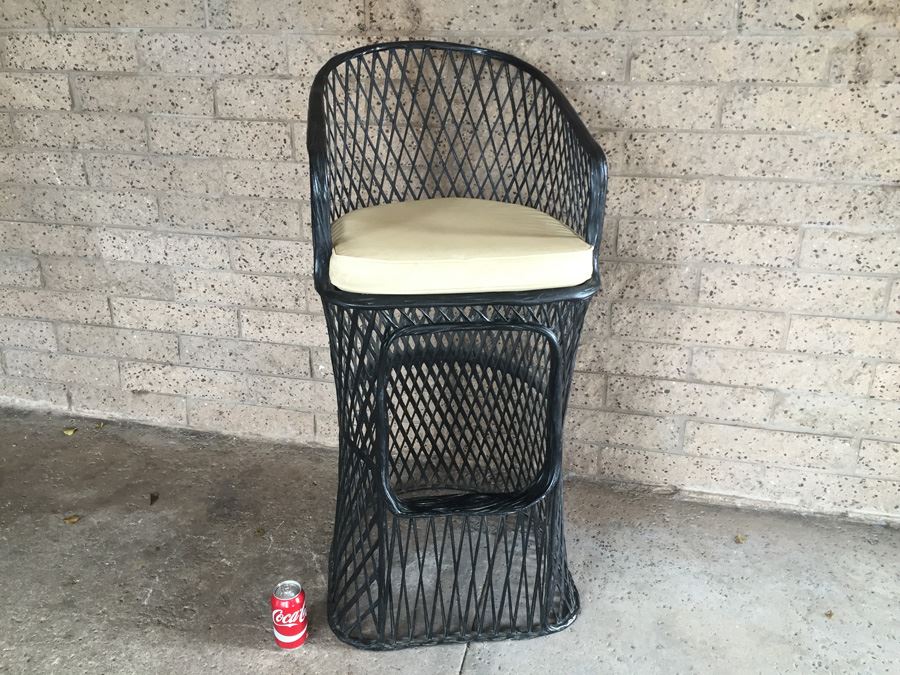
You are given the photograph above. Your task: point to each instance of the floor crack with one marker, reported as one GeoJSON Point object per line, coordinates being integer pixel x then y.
{"type": "Point", "coordinates": [462, 664]}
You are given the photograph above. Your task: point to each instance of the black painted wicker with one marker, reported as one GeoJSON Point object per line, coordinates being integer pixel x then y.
{"type": "Point", "coordinates": [449, 524]}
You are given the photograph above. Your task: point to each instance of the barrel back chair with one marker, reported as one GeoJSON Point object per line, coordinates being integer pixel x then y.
{"type": "Point", "coordinates": [457, 206]}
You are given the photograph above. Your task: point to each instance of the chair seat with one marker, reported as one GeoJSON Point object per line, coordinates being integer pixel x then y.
{"type": "Point", "coordinates": [455, 245]}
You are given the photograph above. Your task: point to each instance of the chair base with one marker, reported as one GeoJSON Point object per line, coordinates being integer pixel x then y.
{"type": "Point", "coordinates": [373, 645]}
{"type": "Point", "coordinates": [449, 522]}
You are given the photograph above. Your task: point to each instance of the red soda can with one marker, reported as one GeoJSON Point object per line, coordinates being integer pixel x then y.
{"type": "Point", "coordinates": [289, 615]}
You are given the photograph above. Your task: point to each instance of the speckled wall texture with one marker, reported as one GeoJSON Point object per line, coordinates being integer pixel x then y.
{"type": "Point", "coordinates": [154, 253]}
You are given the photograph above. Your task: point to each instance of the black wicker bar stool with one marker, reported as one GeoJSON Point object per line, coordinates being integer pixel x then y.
{"type": "Point", "coordinates": [457, 205]}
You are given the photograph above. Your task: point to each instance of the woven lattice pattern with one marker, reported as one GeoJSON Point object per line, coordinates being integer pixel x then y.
{"type": "Point", "coordinates": [449, 577]}
{"type": "Point", "coordinates": [416, 123]}
{"type": "Point", "coordinates": [449, 519]}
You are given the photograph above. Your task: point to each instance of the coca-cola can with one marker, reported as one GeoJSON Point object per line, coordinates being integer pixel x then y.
{"type": "Point", "coordinates": [289, 615]}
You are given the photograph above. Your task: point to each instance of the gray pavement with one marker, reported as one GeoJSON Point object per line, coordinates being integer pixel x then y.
{"type": "Point", "coordinates": [182, 584]}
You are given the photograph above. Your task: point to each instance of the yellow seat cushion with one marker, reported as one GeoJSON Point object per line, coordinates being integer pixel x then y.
{"type": "Point", "coordinates": [455, 245]}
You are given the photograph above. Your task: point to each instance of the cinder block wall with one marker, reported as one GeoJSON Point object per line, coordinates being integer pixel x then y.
{"type": "Point", "coordinates": [154, 253]}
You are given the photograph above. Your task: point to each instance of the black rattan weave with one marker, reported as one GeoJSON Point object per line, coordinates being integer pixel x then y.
{"type": "Point", "coordinates": [449, 521]}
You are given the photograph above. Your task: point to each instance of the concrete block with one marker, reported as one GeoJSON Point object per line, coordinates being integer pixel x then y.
{"type": "Point", "coordinates": [867, 59]}
{"type": "Point", "coordinates": [182, 250]}
{"type": "Point", "coordinates": [794, 291]}
{"type": "Point", "coordinates": [610, 355]}
{"type": "Point", "coordinates": [28, 334]}
{"type": "Point", "coordinates": [617, 428]}
{"type": "Point", "coordinates": [848, 207]}
{"type": "Point", "coordinates": [671, 397]}
{"type": "Point", "coordinates": [782, 371]}
{"type": "Point", "coordinates": [837, 414]}
{"type": "Point", "coordinates": [338, 16]}
{"type": "Point", "coordinates": [239, 290]}
{"type": "Point", "coordinates": [693, 474]}
{"type": "Point", "coordinates": [742, 59]}
{"type": "Point", "coordinates": [272, 255]}
{"type": "Point", "coordinates": [71, 51]}
{"type": "Point", "coordinates": [63, 367]}
{"type": "Point", "coordinates": [251, 420]}
{"type": "Point", "coordinates": [117, 403]}
{"type": "Point", "coordinates": [81, 131]}
{"type": "Point", "coordinates": [769, 447]}
{"type": "Point", "coordinates": [288, 328]}
{"type": "Point", "coordinates": [164, 174]}
{"type": "Point", "coordinates": [588, 390]}
{"type": "Point", "coordinates": [6, 131]}
{"type": "Point", "coordinates": [68, 205]}
{"type": "Point", "coordinates": [40, 239]}
{"type": "Point", "coordinates": [599, 59]}
{"type": "Point", "coordinates": [851, 252]}
{"type": "Point", "coordinates": [145, 94]}
{"type": "Point", "coordinates": [708, 242]}
{"type": "Point", "coordinates": [650, 15]}
{"type": "Point", "coordinates": [825, 335]}
{"type": "Point", "coordinates": [173, 316]}
{"type": "Point", "coordinates": [326, 429]}
{"type": "Point", "coordinates": [816, 15]}
{"type": "Point", "coordinates": [241, 355]}
{"type": "Point", "coordinates": [265, 390]}
{"type": "Point", "coordinates": [42, 168]}
{"type": "Point", "coordinates": [22, 393]}
{"type": "Point", "coordinates": [493, 17]}
{"type": "Point", "coordinates": [886, 384]}
{"type": "Point", "coordinates": [262, 98]}
{"type": "Point", "coordinates": [837, 109]}
{"type": "Point", "coordinates": [655, 197]}
{"type": "Point", "coordinates": [646, 106]}
{"type": "Point", "coordinates": [308, 53]}
{"type": "Point", "coordinates": [756, 155]}
{"type": "Point", "coordinates": [580, 459]}
{"type": "Point", "coordinates": [220, 138]}
{"type": "Point", "coordinates": [313, 299]}
{"type": "Point", "coordinates": [276, 180]}
{"type": "Point", "coordinates": [18, 269]}
{"type": "Point", "coordinates": [124, 343]}
{"type": "Point", "coordinates": [698, 325]}
{"type": "Point", "coordinates": [77, 307]}
{"type": "Point", "coordinates": [642, 281]}
{"type": "Point", "coordinates": [231, 216]}
{"type": "Point", "coordinates": [213, 54]}
{"type": "Point", "coordinates": [879, 458]}
{"type": "Point", "coordinates": [106, 276]}
{"type": "Point", "coordinates": [321, 364]}
{"type": "Point", "coordinates": [34, 92]}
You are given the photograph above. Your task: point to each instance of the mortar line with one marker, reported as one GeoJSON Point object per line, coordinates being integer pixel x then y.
{"type": "Point", "coordinates": [531, 33]}
{"type": "Point", "coordinates": [886, 186]}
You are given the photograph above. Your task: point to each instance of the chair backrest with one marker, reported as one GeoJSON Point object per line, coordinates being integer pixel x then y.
{"type": "Point", "coordinates": [415, 120]}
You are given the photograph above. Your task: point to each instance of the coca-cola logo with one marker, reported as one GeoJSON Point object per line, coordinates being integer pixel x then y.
{"type": "Point", "coordinates": [280, 618]}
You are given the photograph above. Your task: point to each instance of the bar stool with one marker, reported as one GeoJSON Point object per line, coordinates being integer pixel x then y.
{"type": "Point", "coordinates": [457, 207]}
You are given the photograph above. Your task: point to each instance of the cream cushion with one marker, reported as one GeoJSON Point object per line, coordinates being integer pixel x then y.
{"type": "Point", "coordinates": [455, 245]}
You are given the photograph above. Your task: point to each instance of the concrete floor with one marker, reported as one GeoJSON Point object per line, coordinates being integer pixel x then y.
{"type": "Point", "coordinates": [183, 583]}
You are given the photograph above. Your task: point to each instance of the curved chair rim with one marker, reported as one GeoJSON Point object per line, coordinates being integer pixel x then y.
{"type": "Point", "coordinates": [315, 141]}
